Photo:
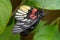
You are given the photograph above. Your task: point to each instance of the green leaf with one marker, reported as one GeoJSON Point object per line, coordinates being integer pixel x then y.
{"type": "Point", "coordinates": [8, 35]}
{"type": "Point", "coordinates": [30, 2]}
{"type": "Point", "coordinates": [5, 13]}
{"type": "Point", "coordinates": [56, 21]}
{"type": "Point", "coordinates": [40, 24]}
{"type": "Point", "coordinates": [44, 4]}
{"type": "Point", "coordinates": [47, 32]}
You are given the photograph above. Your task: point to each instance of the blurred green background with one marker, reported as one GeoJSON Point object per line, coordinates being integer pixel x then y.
{"type": "Point", "coordinates": [47, 29]}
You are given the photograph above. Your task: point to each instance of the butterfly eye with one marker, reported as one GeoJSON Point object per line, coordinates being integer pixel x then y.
{"type": "Point", "coordinates": [27, 18]}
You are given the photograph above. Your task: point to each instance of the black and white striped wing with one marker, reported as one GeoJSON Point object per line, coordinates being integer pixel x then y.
{"type": "Point", "coordinates": [26, 17]}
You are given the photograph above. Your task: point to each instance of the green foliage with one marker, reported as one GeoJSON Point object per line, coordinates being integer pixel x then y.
{"type": "Point", "coordinates": [30, 3]}
{"type": "Point", "coordinates": [42, 32]}
{"type": "Point", "coordinates": [47, 32]}
{"type": "Point", "coordinates": [5, 14]}
{"type": "Point", "coordinates": [5, 25]}
{"type": "Point", "coordinates": [8, 35]}
{"type": "Point", "coordinates": [44, 4]}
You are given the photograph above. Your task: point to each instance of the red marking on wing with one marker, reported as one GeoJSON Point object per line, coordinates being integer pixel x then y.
{"type": "Point", "coordinates": [32, 15]}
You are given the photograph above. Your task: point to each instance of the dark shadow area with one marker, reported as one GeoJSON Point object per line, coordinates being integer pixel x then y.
{"type": "Point", "coordinates": [15, 3]}
{"type": "Point", "coordinates": [51, 15]}
{"type": "Point", "coordinates": [28, 37]}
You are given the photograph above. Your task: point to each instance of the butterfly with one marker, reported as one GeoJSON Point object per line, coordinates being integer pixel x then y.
{"type": "Point", "coordinates": [27, 19]}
